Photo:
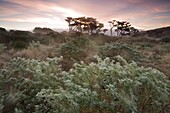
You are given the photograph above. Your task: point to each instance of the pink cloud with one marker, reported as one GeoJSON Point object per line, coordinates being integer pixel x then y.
{"type": "Point", "coordinates": [162, 17]}
{"type": "Point", "coordinates": [141, 13]}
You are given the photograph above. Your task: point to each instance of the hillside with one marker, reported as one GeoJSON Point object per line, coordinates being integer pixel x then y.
{"type": "Point", "coordinates": [96, 73]}
{"type": "Point", "coordinates": [159, 33]}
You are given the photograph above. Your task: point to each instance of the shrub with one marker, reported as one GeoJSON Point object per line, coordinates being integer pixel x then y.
{"type": "Point", "coordinates": [36, 51]}
{"type": "Point", "coordinates": [3, 29]}
{"type": "Point", "coordinates": [19, 45]}
{"type": "Point", "coordinates": [56, 37]}
{"type": "Point", "coordinates": [75, 48]}
{"type": "Point", "coordinates": [17, 35]}
{"type": "Point", "coordinates": [34, 44]}
{"type": "Point", "coordinates": [4, 37]}
{"type": "Point", "coordinates": [165, 39]}
{"type": "Point", "coordinates": [2, 47]}
{"type": "Point", "coordinates": [50, 38]}
{"type": "Point", "coordinates": [166, 47]}
{"type": "Point", "coordinates": [146, 45]}
{"type": "Point", "coordinates": [105, 86]}
{"type": "Point", "coordinates": [24, 79]}
{"type": "Point", "coordinates": [108, 86]}
{"type": "Point", "coordinates": [116, 48]}
{"type": "Point", "coordinates": [42, 30]}
{"type": "Point", "coordinates": [11, 37]}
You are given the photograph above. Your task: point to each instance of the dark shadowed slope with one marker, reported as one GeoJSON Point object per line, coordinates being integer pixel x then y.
{"type": "Point", "coordinates": [159, 33]}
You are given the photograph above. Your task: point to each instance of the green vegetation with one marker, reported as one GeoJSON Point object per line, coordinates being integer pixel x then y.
{"type": "Point", "coordinates": [116, 48]}
{"type": "Point", "coordinates": [2, 47]}
{"type": "Point", "coordinates": [105, 86]}
{"type": "Point", "coordinates": [81, 73]}
{"type": "Point", "coordinates": [75, 49]}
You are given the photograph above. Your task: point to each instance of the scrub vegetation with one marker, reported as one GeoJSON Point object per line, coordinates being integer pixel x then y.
{"type": "Point", "coordinates": [83, 72]}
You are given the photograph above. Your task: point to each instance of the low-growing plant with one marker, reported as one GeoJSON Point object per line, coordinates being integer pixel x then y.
{"type": "Point", "coordinates": [116, 48]}
{"type": "Point", "coordinates": [20, 44]}
{"type": "Point", "coordinates": [109, 86]}
{"type": "Point", "coordinates": [165, 39]}
{"type": "Point", "coordinates": [75, 48]}
{"type": "Point", "coordinates": [23, 79]}
{"type": "Point", "coordinates": [2, 47]}
{"type": "Point", "coordinates": [34, 44]}
{"type": "Point", "coordinates": [166, 47]}
{"type": "Point", "coordinates": [145, 45]}
{"type": "Point", "coordinates": [106, 86]}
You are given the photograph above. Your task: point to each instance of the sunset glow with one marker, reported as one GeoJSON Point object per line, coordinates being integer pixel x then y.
{"type": "Point", "coordinates": [27, 14]}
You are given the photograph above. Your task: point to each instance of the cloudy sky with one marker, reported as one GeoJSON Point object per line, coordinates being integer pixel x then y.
{"type": "Point", "coordinates": [27, 14]}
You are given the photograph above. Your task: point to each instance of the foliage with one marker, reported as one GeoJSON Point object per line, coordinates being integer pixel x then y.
{"type": "Point", "coordinates": [118, 48]}
{"type": "Point", "coordinates": [84, 24]}
{"type": "Point", "coordinates": [42, 30]}
{"type": "Point", "coordinates": [19, 44]}
{"type": "Point", "coordinates": [2, 47]}
{"type": "Point", "coordinates": [2, 29]}
{"type": "Point", "coordinates": [122, 28]}
{"type": "Point", "coordinates": [34, 44]}
{"type": "Point", "coordinates": [166, 47]}
{"type": "Point", "coordinates": [145, 45]}
{"type": "Point", "coordinates": [25, 78]}
{"type": "Point", "coordinates": [101, 86]}
{"type": "Point", "coordinates": [75, 48]}
{"type": "Point", "coordinates": [16, 39]}
{"type": "Point", "coordinates": [20, 36]}
{"type": "Point", "coordinates": [165, 39]}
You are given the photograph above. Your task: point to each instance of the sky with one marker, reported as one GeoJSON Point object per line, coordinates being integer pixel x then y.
{"type": "Point", "coordinates": [28, 14]}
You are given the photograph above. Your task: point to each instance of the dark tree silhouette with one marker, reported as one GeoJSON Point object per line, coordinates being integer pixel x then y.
{"type": "Point", "coordinates": [84, 25]}
{"type": "Point", "coordinates": [113, 24]}
{"type": "Point", "coordinates": [133, 30]}
{"type": "Point", "coordinates": [44, 30]}
{"type": "Point", "coordinates": [69, 20]}
{"type": "Point", "coordinates": [122, 28]}
{"type": "Point", "coordinates": [2, 29]}
{"type": "Point", "coordinates": [105, 30]}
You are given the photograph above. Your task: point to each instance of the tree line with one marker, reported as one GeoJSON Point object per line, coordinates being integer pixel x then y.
{"type": "Point", "coordinates": [122, 28]}
{"type": "Point", "coordinates": [92, 26]}
{"type": "Point", "coordinates": [84, 25]}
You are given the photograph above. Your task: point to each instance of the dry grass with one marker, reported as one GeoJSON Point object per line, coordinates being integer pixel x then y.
{"type": "Point", "coordinates": [102, 39]}
{"type": "Point", "coordinates": [164, 64]}
{"type": "Point", "coordinates": [158, 58]}
{"type": "Point", "coordinates": [6, 56]}
{"type": "Point", "coordinates": [166, 58]}
{"type": "Point", "coordinates": [41, 52]}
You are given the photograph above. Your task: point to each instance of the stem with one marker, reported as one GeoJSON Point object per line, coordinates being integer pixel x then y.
{"type": "Point", "coordinates": [144, 105]}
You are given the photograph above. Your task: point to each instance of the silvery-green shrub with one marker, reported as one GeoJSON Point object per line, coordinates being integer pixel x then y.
{"type": "Point", "coordinates": [101, 86]}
